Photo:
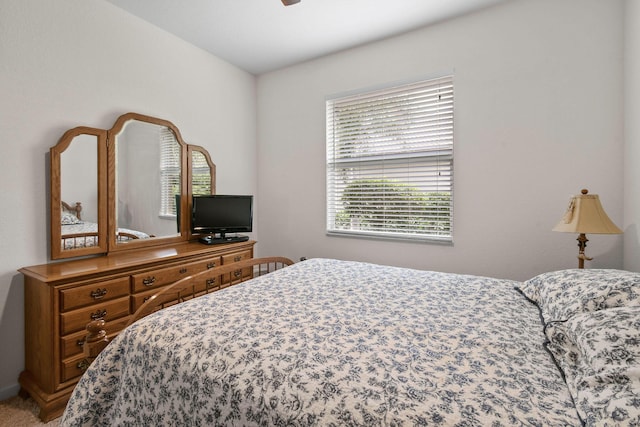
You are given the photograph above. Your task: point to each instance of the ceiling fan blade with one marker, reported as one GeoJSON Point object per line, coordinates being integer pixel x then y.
{"type": "Point", "coordinates": [290, 2]}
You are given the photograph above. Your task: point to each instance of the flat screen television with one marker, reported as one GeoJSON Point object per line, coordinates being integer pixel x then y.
{"type": "Point", "coordinates": [217, 215]}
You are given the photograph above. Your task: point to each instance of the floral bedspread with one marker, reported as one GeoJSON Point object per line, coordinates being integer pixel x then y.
{"type": "Point", "coordinates": [88, 236]}
{"type": "Point", "coordinates": [332, 343]}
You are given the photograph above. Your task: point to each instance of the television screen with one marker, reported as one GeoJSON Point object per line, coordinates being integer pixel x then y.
{"type": "Point", "coordinates": [220, 214]}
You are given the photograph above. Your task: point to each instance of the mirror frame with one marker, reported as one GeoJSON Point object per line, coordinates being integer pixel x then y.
{"type": "Point", "coordinates": [106, 187]}
{"type": "Point", "coordinates": [56, 193]}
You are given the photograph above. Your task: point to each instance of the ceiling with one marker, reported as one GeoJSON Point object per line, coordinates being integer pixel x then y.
{"type": "Point", "coordinates": [263, 35]}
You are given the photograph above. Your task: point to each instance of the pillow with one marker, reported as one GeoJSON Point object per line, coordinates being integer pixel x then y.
{"type": "Point", "coordinates": [599, 354]}
{"type": "Point", "coordinates": [68, 218]}
{"type": "Point", "coordinates": [561, 294]}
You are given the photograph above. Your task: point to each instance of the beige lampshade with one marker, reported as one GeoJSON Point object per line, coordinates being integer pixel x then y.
{"type": "Point", "coordinates": [586, 215]}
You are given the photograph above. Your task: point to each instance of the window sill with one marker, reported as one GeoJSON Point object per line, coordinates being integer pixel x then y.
{"type": "Point", "coordinates": [390, 236]}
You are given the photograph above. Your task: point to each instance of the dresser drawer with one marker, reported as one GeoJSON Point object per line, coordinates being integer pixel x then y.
{"type": "Point", "coordinates": [77, 320]}
{"type": "Point", "coordinates": [163, 276]}
{"type": "Point", "coordinates": [203, 285]}
{"type": "Point", "coordinates": [70, 368]}
{"type": "Point", "coordinates": [71, 345]}
{"type": "Point", "coordinates": [236, 257]}
{"type": "Point", "coordinates": [94, 292]}
{"type": "Point", "coordinates": [141, 297]}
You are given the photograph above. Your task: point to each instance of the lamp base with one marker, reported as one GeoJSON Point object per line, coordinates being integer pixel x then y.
{"type": "Point", "coordinates": [582, 244]}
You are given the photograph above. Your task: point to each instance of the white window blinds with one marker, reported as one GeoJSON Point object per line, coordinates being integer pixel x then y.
{"type": "Point", "coordinates": [390, 162]}
{"type": "Point", "coordinates": [169, 172]}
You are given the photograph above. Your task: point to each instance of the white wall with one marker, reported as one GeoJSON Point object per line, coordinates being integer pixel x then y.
{"type": "Point", "coordinates": [538, 116]}
{"type": "Point", "coordinates": [632, 136]}
{"type": "Point", "coordinates": [67, 63]}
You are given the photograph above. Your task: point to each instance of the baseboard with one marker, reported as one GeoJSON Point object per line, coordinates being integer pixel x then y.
{"type": "Point", "coordinates": [8, 392]}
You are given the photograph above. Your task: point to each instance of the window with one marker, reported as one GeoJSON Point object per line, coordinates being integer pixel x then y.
{"type": "Point", "coordinates": [169, 173]}
{"type": "Point", "coordinates": [390, 162]}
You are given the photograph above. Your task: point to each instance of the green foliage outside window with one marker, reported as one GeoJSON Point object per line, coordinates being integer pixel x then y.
{"type": "Point", "coordinates": [201, 183]}
{"type": "Point", "coordinates": [383, 204]}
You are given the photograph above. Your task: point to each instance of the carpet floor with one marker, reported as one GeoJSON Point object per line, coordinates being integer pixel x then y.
{"type": "Point", "coordinates": [19, 412]}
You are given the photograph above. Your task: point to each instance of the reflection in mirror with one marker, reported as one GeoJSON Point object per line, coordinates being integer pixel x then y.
{"type": "Point", "coordinates": [79, 194]}
{"type": "Point", "coordinates": [77, 163]}
{"type": "Point", "coordinates": [201, 173]}
{"type": "Point", "coordinates": [148, 177]}
{"type": "Point", "coordinates": [78, 210]}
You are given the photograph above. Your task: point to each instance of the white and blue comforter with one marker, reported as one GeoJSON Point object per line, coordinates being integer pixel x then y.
{"type": "Point", "coordinates": [82, 234]}
{"type": "Point", "coordinates": [332, 343]}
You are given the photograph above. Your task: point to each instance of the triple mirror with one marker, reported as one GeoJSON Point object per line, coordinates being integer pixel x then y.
{"type": "Point", "coordinates": [124, 188]}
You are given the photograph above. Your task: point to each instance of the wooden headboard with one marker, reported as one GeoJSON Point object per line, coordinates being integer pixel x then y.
{"type": "Point", "coordinates": [73, 209]}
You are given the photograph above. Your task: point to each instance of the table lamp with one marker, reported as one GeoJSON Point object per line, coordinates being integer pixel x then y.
{"type": "Point", "coordinates": [585, 215]}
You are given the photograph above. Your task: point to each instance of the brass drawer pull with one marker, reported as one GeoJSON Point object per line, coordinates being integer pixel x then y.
{"type": "Point", "coordinates": [183, 270]}
{"type": "Point", "coordinates": [80, 343]}
{"type": "Point", "coordinates": [98, 315]}
{"type": "Point", "coordinates": [211, 265]}
{"type": "Point", "coordinates": [99, 293]}
{"type": "Point", "coordinates": [237, 258]}
{"type": "Point", "coordinates": [237, 273]}
{"type": "Point", "coordinates": [211, 282]}
{"type": "Point", "coordinates": [149, 281]}
{"type": "Point", "coordinates": [83, 365]}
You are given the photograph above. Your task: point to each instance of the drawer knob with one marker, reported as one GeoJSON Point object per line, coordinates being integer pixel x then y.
{"type": "Point", "coordinates": [149, 281]}
{"type": "Point", "coordinates": [83, 365]}
{"type": "Point", "coordinates": [80, 343]}
{"type": "Point", "coordinates": [100, 314]}
{"type": "Point", "coordinates": [211, 265]}
{"type": "Point", "coordinates": [237, 258]}
{"type": "Point", "coordinates": [237, 273]}
{"type": "Point", "coordinates": [99, 293]}
{"type": "Point", "coordinates": [211, 282]}
{"type": "Point", "coordinates": [183, 270]}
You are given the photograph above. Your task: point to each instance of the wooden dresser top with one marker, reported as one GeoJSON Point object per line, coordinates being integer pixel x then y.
{"type": "Point", "coordinates": [127, 260]}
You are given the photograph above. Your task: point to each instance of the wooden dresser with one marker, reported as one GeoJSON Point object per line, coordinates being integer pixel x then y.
{"type": "Point", "coordinates": [61, 298]}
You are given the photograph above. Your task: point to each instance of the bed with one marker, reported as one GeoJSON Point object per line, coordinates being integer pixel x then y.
{"type": "Point", "coordinates": [330, 343]}
{"type": "Point", "coordinates": [76, 233]}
